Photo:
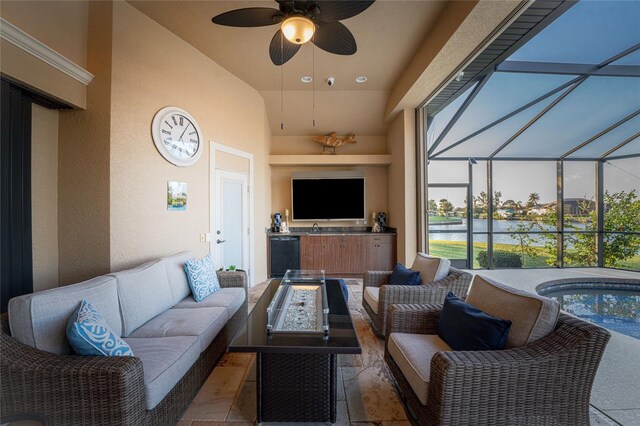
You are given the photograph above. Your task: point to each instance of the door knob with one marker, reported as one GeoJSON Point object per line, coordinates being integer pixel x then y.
{"type": "Point", "coordinates": [220, 241]}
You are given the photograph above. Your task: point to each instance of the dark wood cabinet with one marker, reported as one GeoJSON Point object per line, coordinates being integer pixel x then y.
{"type": "Point", "coordinates": [348, 255]}
{"type": "Point", "coordinates": [380, 253]}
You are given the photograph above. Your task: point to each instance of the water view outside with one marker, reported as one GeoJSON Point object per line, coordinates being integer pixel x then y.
{"type": "Point", "coordinates": [525, 228]}
{"type": "Point", "coordinates": [617, 310]}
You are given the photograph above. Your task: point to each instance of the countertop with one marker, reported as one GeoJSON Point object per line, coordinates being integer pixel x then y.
{"type": "Point", "coordinates": [356, 230]}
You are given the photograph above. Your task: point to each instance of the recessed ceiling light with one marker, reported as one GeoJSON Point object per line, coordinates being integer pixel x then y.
{"type": "Point", "coordinates": [306, 79]}
{"type": "Point", "coordinates": [361, 79]}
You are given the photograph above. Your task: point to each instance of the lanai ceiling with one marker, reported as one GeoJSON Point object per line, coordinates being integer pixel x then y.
{"type": "Point", "coordinates": [388, 34]}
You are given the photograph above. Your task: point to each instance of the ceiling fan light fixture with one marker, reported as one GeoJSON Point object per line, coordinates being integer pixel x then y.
{"type": "Point", "coordinates": [298, 29]}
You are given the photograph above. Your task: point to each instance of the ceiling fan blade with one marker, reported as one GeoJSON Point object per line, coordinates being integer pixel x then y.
{"type": "Point", "coordinates": [334, 37]}
{"type": "Point", "coordinates": [281, 49]}
{"type": "Point", "coordinates": [249, 17]}
{"type": "Point", "coordinates": [336, 10]}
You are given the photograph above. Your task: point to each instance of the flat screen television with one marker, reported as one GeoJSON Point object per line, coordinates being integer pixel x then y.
{"type": "Point", "coordinates": [328, 198]}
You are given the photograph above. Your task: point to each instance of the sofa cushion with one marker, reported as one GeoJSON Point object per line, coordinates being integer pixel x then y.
{"type": "Point", "coordinates": [467, 328]}
{"type": "Point", "coordinates": [404, 276]}
{"type": "Point", "coordinates": [40, 319]}
{"type": "Point", "coordinates": [90, 335]}
{"type": "Point", "coordinates": [532, 317]}
{"type": "Point", "coordinates": [203, 323]}
{"type": "Point", "coordinates": [412, 353]}
{"type": "Point", "coordinates": [165, 361]}
{"type": "Point", "coordinates": [143, 293]}
{"type": "Point", "coordinates": [202, 277]}
{"type": "Point", "coordinates": [431, 268]}
{"type": "Point", "coordinates": [178, 283]}
{"type": "Point", "coordinates": [372, 296]}
{"type": "Point", "coordinates": [230, 298]}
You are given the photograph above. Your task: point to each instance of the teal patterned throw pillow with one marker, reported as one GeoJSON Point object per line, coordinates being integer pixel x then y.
{"type": "Point", "coordinates": [89, 334]}
{"type": "Point", "coordinates": [202, 277]}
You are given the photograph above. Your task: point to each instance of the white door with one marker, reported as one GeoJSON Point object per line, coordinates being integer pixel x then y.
{"type": "Point", "coordinates": [230, 243]}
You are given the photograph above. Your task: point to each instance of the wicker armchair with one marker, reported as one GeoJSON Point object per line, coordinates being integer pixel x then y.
{"type": "Point", "coordinates": [88, 390]}
{"type": "Point", "coordinates": [457, 282]}
{"type": "Point", "coordinates": [545, 382]}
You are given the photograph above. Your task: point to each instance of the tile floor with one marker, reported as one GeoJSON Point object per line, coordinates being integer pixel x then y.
{"type": "Point", "coordinates": [366, 391]}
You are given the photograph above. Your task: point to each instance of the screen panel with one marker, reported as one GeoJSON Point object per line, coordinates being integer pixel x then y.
{"type": "Point", "coordinates": [328, 199]}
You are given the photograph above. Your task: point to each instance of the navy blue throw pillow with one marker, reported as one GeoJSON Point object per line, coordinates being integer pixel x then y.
{"type": "Point", "coordinates": [466, 328]}
{"type": "Point", "coordinates": [404, 276]}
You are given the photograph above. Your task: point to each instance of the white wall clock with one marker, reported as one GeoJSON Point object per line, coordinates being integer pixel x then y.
{"type": "Point", "coordinates": [177, 136]}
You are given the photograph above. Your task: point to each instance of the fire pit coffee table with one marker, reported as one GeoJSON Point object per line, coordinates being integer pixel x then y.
{"type": "Point", "coordinates": [296, 329]}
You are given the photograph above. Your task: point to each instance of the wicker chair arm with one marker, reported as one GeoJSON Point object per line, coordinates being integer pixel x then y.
{"type": "Point", "coordinates": [416, 319]}
{"type": "Point", "coordinates": [376, 278]}
{"type": "Point", "coordinates": [73, 388]}
{"type": "Point", "coordinates": [457, 282]}
{"type": "Point", "coordinates": [523, 379]}
{"type": "Point", "coordinates": [232, 279]}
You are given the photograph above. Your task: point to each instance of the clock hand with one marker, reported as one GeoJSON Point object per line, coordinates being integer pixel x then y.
{"type": "Point", "coordinates": [184, 131]}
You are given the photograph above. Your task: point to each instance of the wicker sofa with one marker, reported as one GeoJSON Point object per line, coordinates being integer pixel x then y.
{"type": "Point", "coordinates": [379, 295]}
{"type": "Point", "coordinates": [176, 344]}
{"type": "Point", "coordinates": [546, 381]}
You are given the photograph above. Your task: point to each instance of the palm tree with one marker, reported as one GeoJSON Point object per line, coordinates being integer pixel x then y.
{"type": "Point", "coordinates": [534, 199]}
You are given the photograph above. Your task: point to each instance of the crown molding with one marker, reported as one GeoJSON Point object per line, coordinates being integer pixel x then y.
{"type": "Point", "coordinates": [24, 41]}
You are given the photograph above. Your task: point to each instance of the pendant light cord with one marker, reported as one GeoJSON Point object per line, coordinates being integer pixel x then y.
{"type": "Point", "coordinates": [281, 81]}
{"type": "Point", "coordinates": [313, 77]}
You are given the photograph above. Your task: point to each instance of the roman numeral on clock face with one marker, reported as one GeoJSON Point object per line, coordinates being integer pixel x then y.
{"type": "Point", "coordinates": [166, 132]}
{"type": "Point", "coordinates": [181, 121]}
{"type": "Point", "coordinates": [175, 123]}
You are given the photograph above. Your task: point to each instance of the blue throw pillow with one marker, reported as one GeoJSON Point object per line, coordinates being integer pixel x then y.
{"type": "Point", "coordinates": [202, 277]}
{"type": "Point", "coordinates": [89, 334]}
{"type": "Point", "coordinates": [466, 328]}
{"type": "Point", "coordinates": [404, 276]}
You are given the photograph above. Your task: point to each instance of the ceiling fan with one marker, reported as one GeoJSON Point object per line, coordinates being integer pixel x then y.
{"type": "Point", "coordinates": [301, 21]}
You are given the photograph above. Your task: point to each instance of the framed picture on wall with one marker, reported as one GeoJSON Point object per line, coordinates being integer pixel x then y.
{"type": "Point", "coordinates": [176, 195]}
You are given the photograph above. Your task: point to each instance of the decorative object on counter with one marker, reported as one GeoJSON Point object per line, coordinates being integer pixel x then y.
{"type": "Point", "coordinates": [284, 227]}
{"type": "Point", "coordinates": [176, 195]}
{"type": "Point", "coordinates": [333, 141]}
{"type": "Point", "coordinates": [277, 222]}
{"type": "Point", "coordinates": [375, 225]}
{"type": "Point", "coordinates": [382, 220]}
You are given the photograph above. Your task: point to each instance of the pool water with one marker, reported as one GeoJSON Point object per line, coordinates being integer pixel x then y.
{"type": "Point", "coordinates": [608, 306]}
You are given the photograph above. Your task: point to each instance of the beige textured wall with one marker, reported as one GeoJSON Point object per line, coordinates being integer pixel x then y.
{"type": "Point", "coordinates": [61, 25]}
{"type": "Point", "coordinates": [402, 184]}
{"type": "Point", "coordinates": [153, 68]}
{"type": "Point", "coordinates": [233, 163]}
{"type": "Point", "coordinates": [44, 196]}
{"type": "Point", "coordinates": [375, 196]}
{"type": "Point", "coordinates": [83, 180]}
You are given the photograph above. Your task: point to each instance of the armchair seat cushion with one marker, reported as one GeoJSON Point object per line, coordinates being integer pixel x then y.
{"type": "Point", "coordinates": [230, 298]}
{"type": "Point", "coordinates": [372, 296]}
{"type": "Point", "coordinates": [202, 323]}
{"type": "Point", "coordinates": [165, 360]}
{"type": "Point", "coordinates": [412, 353]}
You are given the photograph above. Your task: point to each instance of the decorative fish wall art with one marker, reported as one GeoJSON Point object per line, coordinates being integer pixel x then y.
{"type": "Point", "coordinates": [333, 141]}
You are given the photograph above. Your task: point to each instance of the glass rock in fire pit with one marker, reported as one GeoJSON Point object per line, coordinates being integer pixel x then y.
{"type": "Point", "coordinates": [300, 304]}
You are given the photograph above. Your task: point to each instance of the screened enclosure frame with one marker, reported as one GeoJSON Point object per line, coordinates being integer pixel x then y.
{"type": "Point", "coordinates": [618, 133]}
